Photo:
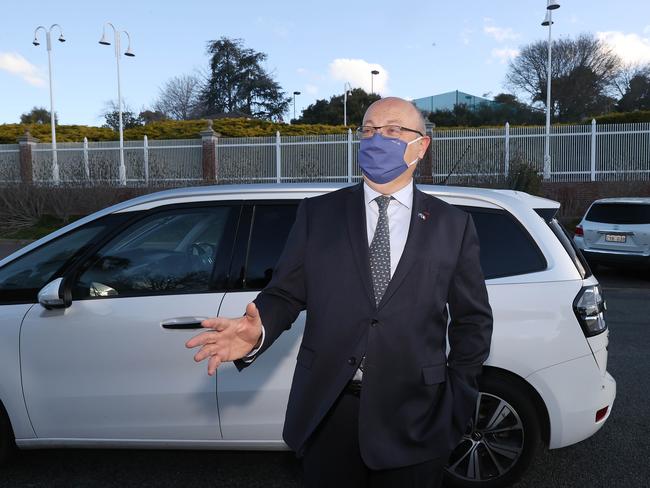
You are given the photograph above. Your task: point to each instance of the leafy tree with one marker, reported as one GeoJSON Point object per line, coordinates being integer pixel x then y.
{"type": "Point", "coordinates": [637, 95]}
{"type": "Point", "coordinates": [111, 116]}
{"type": "Point", "coordinates": [150, 116]}
{"type": "Point", "coordinates": [179, 98]}
{"type": "Point", "coordinates": [37, 115]}
{"type": "Point", "coordinates": [583, 76]}
{"type": "Point", "coordinates": [331, 111]}
{"type": "Point", "coordinates": [237, 82]}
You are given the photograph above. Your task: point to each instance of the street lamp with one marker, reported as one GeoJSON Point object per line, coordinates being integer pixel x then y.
{"type": "Point", "coordinates": [55, 163]}
{"type": "Point", "coordinates": [294, 103]}
{"type": "Point", "coordinates": [548, 21]}
{"type": "Point", "coordinates": [104, 41]}
{"type": "Point", "coordinates": [346, 86]}
{"type": "Point", "coordinates": [372, 77]}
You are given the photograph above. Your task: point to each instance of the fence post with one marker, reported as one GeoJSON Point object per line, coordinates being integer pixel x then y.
{"type": "Point", "coordinates": [278, 158]}
{"type": "Point", "coordinates": [506, 165]}
{"type": "Point", "coordinates": [145, 147]}
{"type": "Point", "coordinates": [27, 143]}
{"type": "Point", "coordinates": [209, 153]}
{"type": "Point", "coordinates": [86, 166]}
{"type": "Point", "coordinates": [593, 149]}
{"type": "Point", "coordinates": [349, 155]}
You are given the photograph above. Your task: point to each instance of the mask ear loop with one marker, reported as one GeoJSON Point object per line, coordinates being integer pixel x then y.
{"type": "Point", "coordinates": [416, 159]}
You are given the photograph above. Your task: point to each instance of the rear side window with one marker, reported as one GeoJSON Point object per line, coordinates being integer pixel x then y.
{"type": "Point", "coordinates": [507, 249]}
{"type": "Point", "coordinates": [570, 247]}
{"type": "Point", "coordinates": [270, 229]}
{"type": "Point", "coordinates": [619, 213]}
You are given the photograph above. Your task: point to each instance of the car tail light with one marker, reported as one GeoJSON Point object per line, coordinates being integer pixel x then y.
{"type": "Point", "coordinates": [579, 232]}
{"type": "Point", "coordinates": [589, 308]}
{"type": "Point", "coordinates": [600, 414]}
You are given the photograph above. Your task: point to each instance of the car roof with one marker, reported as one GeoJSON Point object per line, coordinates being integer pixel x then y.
{"type": "Point", "coordinates": [638, 200]}
{"type": "Point", "coordinates": [494, 198]}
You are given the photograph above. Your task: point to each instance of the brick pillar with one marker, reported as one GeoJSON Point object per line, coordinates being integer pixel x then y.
{"type": "Point", "coordinates": [27, 143]}
{"type": "Point", "coordinates": [209, 154]}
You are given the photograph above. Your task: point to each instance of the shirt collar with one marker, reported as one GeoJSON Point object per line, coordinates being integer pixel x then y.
{"type": "Point", "coordinates": [403, 196]}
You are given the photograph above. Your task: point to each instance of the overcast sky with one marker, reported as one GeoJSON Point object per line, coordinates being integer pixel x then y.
{"type": "Point", "coordinates": [419, 48]}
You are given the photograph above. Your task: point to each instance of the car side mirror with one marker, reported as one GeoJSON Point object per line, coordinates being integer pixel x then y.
{"type": "Point", "coordinates": [53, 295]}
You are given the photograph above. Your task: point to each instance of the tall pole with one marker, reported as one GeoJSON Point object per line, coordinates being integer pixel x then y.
{"type": "Point", "coordinates": [294, 103]}
{"type": "Point", "coordinates": [372, 80]}
{"type": "Point", "coordinates": [48, 37]}
{"type": "Point", "coordinates": [548, 21]}
{"type": "Point", "coordinates": [117, 38]}
{"type": "Point", "coordinates": [346, 85]}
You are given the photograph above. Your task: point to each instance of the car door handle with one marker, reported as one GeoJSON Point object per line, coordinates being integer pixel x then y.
{"type": "Point", "coordinates": [183, 323]}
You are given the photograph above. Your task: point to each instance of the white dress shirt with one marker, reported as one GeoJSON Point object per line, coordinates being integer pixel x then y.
{"type": "Point", "coordinates": [399, 218]}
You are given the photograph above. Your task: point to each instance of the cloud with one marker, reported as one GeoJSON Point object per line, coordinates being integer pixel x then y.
{"type": "Point", "coordinates": [501, 34]}
{"type": "Point", "coordinates": [357, 73]}
{"type": "Point", "coordinates": [17, 65]}
{"type": "Point", "coordinates": [505, 54]}
{"type": "Point", "coordinates": [632, 48]}
{"type": "Point", "coordinates": [466, 36]}
{"type": "Point", "coordinates": [311, 89]}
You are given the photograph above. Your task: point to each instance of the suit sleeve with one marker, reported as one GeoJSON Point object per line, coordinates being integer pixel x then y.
{"type": "Point", "coordinates": [285, 296]}
{"type": "Point", "coordinates": [470, 329]}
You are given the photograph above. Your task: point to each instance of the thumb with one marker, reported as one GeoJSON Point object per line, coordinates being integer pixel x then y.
{"type": "Point", "coordinates": [251, 312]}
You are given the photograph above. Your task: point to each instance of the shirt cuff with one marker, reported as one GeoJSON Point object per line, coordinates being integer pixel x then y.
{"type": "Point", "coordinates": [251, 355]}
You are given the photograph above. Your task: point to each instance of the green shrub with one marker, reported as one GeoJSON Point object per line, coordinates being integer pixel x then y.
{"type": "Point", "coordinates": [522, 176]}
{"type": "Point", "coordinates": [622, 118]}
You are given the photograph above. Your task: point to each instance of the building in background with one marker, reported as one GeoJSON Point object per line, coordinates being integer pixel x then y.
{"type": "Point", "coordinates": [448, 100]}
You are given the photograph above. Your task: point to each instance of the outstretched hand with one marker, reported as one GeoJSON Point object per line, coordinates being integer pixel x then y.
{"type": "Point", "coordinates": [227, 339]}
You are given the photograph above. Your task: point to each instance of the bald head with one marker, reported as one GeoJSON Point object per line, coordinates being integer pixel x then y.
{"type": "Point", "coordinates": [394, 111]}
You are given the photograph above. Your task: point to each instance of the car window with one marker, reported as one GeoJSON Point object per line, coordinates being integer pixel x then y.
{"type": "Point", "coordinates": [270, 228]}
{"type": "Point", "coordinates": [619, 213]}
{"type": "Point", "coordinates": [507, 249]}
{"type": "Point", "coordinates": [22, 278]}
{"type": "Point", "coordinates": [172, 251]}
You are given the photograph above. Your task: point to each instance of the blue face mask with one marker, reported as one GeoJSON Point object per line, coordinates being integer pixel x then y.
{"type": "Point", "coordinates": [382, 158]}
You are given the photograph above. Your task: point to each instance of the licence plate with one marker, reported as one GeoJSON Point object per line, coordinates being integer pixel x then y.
{"type": "Point", "coordinates": [615, 238]}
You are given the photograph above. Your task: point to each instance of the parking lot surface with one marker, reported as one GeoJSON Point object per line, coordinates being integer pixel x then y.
{"type": "Point", "coordinates": [615, 456]}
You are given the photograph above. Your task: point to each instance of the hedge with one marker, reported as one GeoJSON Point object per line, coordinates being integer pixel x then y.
{"type": "Point", "coordinates": [167, 129]}
{"type": "Point", "coordinates": [622, 118]}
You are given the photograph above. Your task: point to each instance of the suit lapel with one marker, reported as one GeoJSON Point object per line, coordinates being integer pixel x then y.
{"type": "Point", "coordinates": [356, 218]}
{"type": "Point", "coordinates": [415, 243]}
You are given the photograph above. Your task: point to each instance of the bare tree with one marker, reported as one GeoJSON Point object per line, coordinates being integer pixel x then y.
{"type": "Point", "coordinates": [178, 99]}
{"type": "Point", "coordinates": [627, 73]}
{"type": "Point", "coordinates": [583, 76]}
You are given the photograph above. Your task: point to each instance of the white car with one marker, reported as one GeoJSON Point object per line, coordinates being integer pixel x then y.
{"type": "Point", "coordinates": [616, 231]}
{"type": "Point", "coordinates": [94, 317]}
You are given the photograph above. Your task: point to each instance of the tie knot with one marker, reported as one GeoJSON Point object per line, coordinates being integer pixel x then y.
{"type": "Point", "coordinates": [382, 202]}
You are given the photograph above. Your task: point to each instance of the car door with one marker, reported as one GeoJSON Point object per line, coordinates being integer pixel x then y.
{"type": "Point", "coordinates": [113, 364]}
{"type": "Point", "coordinates": [252, 403]}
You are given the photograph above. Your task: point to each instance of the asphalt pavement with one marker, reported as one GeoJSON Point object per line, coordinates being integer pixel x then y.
{"type": "Point", "coordinates": [615, 456]}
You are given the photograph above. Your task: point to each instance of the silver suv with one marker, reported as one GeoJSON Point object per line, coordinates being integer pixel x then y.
{"type": "Point", "coordinates": [616, 231]}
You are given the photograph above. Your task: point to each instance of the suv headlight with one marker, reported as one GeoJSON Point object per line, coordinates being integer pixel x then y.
{"type": "Point", "coordinates": [589, 308]}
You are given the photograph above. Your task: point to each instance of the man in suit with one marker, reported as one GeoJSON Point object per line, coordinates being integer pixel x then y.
{"type": "Point", "coordinates": [386, 273]}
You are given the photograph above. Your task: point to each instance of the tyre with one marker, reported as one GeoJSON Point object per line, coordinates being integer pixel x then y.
{"type": "Point", "coordinates": [501, 440]}
{"type": "Point", "coordinates": [7, 444]}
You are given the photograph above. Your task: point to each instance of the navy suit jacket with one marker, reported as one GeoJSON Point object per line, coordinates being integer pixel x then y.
{"type": "Point", "coordinates": [415, 401]}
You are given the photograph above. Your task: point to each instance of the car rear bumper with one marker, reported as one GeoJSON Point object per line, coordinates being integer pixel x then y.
{"type": "Point", "coordinates": [574, 392]}
{"type": "Point", "coordinates": [612, 257]}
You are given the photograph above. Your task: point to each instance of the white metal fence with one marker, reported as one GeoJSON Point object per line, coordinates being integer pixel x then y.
{"type": "Point", "coordinates": [578, 153]}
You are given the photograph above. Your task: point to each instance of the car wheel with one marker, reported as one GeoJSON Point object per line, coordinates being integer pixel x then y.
{"type": "Point", "coordinates": [7, 444]}
{"type": "Point", "coordinates": [501, 440]}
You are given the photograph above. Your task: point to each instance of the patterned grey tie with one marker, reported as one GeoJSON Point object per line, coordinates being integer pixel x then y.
{"type": "Point", "coordinates": [380, 250]}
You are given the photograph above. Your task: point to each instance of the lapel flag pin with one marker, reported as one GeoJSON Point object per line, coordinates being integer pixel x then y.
{"type": "Point", "coordinates": [423, 215]}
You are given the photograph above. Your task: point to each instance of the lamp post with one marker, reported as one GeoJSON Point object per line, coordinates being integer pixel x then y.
{"type": "Point", "coordinates": [117, 33]}
{"type": "Point", "coordinates": [548, 21]}
{"type": "Point", "coordinates": [294, 103]}
{"type": "Point", "coordinates": [48, 37]}
{"type": "Point", "coordinates": [372, 79]}
{"type": "Point", "coordinates": [346, 86]}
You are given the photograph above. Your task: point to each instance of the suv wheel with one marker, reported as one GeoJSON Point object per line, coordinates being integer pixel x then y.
{"type": "Point", "coordinates": [501, 440]}
{"type": "Point", "coordinates": [6, 436]}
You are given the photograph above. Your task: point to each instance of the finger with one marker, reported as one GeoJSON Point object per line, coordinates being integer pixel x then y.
{"type": "Point", "coordinates": [251, 311]}
{"type": "Point", "coordinates": [201, 339]}
{"type": "Point", "coordinates": [217, 323]}
{"type": "Point", "coordinates": [206, 351]}
{"type": "Point", "coordinates": [213, 364]}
